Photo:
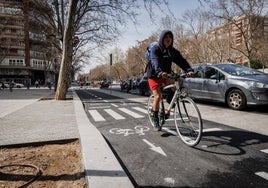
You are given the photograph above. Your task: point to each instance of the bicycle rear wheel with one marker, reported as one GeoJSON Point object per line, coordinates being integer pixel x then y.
{"type": "Point", "coordinates": [150, 109]}
{"type": "Point", "coordinates": [188, 121]}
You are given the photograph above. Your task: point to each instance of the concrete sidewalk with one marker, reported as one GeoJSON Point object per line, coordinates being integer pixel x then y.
{"type": "Point", "coordinates": [32, 116]}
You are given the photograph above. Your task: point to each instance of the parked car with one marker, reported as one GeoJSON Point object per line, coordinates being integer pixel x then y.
{"type": "Point", "coordinates": [135, 84]}
{"type": "Point", "coordinates": [6, 85]}
{"type": "Point", "coordinates": [238, 86]}
{"type": "Point", "coordinates": [17, 85]}
{"type": "Point", "coordinates": [143, 86]}
{"type": "Point", "coordinates": [14, 85]}
{"type": "Point", "coordinates": [126, 85]}
{"type": "Point", "coordinates": [104, 84]}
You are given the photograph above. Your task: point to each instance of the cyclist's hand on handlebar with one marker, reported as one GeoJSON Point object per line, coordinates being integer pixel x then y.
{"type": "Point", "coordinates": [164, 75]}
{"type": "Point", "coordinates": [190, 74]}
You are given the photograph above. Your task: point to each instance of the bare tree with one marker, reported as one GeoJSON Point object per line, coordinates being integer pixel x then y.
{"type": "Point", "coordinates": [95, 23]}
{"type": "Point", "coordinates": [246, 17]}
{"type": "Point", "coordinates": [67, 54]}
{"type": "Point", "coordinates": [195, 24]}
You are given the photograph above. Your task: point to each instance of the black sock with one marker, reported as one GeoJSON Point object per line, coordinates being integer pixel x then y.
{"type": "Point", "coordinates": [155, 114]}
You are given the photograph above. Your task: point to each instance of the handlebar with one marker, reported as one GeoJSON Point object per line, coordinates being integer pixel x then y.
{"type": "Point", "coordinates": [176, 76]}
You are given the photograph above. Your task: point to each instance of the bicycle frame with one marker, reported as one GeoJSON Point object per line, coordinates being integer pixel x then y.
{"type": "Point", "coordinates": [177, 92]}
{"type": "Point", "coordinates": [187, 118]}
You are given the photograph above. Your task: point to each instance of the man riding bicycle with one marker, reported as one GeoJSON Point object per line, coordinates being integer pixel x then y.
{"type": "Point", "coordinates": [161, 58]}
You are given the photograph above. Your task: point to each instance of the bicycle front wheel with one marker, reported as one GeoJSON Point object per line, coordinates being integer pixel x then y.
{"type": "Point", "coordinates": [188, 121]}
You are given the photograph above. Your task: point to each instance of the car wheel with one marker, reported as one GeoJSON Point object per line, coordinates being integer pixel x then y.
{"type": "Point", "coordinates": [236, 99]}
{"type": "Point", "coordinates": [142, 92]}
{"type": "Point", "coordinates": [184, 92]}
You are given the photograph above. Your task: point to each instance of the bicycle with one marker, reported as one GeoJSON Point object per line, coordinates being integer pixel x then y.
{"type": "Point", "coordinates": [187, 117]}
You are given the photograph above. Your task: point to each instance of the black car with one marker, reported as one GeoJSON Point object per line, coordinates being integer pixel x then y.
{"type": "Point", "coordinates": [126, 85]}
{"type": "Point", "coordinates": [104, 84]}
{"type": "Point", "coordinates": [143, 86]}
{"type": "Point", "coordinates": [236, 85]}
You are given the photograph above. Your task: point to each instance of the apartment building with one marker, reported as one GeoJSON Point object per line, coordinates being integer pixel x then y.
{"type": "Point", "coordinates": [26, 50]}
{"type": "Point", "coordinates": [246, 36]}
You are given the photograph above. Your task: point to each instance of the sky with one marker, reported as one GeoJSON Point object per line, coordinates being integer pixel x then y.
{"type": "Point", "coordinates": [132, 34]}
{"type": "Point", "coordinates": [146, 28]}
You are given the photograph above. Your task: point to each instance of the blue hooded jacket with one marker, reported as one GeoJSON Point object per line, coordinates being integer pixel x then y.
{"type": "Point", "coordinates": [161, 58]}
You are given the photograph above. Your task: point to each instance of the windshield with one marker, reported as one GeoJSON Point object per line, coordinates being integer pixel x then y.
{"type": "Point", "coordinates": [238, 70]}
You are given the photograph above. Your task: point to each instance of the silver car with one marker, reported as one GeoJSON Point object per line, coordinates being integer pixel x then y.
{"type": "Point", "coordinates": [236, 85]}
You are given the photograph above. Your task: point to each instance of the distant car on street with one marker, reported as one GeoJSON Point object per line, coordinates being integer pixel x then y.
{"type": "Point", "coordinates": [143, 86]}
{"type": "Point", "coordinates": [6, 85]}
{"type": "Point", "coordinates": [104, 84]}
{"type": "Point", "coordinates": [17, 85]}
{"type": "Point", "coordinates": [14, 85]}
{"type": "Point", "coordinates": [236, 85]}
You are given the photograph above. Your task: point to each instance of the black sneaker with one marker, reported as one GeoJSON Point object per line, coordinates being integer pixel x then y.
{"type": "Point", "coordinates": [167, 114]}
{"type": "Point", "coordinates": [156, 124]}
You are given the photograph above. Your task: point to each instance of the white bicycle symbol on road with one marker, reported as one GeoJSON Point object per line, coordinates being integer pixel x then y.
{"type": "Point", "coordinates": [137, 130]}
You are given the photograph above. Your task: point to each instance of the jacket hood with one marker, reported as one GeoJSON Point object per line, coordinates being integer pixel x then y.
{"type": "Point", "coordinates": [161, 39]}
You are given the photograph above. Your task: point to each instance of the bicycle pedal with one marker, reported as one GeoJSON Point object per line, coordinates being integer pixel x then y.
{"type": "Point", "coordinates": [167, 116]}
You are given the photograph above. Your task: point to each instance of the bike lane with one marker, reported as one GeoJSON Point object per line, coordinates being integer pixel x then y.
{"type": "Point", "coordinates": [224, 157]}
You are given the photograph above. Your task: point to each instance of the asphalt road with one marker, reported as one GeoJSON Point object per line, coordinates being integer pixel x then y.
{"type": "Point", "coordinates": [227, 155]}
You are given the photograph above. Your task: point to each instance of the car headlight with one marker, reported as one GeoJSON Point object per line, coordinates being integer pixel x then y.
{"type": "Point", "coordinates": [257, 84]}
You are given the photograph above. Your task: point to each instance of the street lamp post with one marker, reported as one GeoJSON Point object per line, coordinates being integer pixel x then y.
{"type": "Point", "coordinates": [111, 63]}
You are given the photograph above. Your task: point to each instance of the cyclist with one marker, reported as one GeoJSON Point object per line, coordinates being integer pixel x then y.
{"type": "Point", "coordinates": [161, 58]}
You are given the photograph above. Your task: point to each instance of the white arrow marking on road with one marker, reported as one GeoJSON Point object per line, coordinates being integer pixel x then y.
{"type": "Point", "coordinates": [154, 148]}
{"type": "Point", "coordinates": [262, 174]}
{"type": "Point", "coordinates": [265, 151]}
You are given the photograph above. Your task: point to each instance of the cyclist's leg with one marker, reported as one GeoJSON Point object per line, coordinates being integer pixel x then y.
{"type": "Point", "coordinates": [157, 98]}
{"type": "Point", "coordinates": [155, 108]}
{"type": "Point", "coordinates": [155, 85]}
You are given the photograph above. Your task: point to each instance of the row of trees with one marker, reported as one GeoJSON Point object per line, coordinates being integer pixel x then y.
{"type": "Point", "coordinates": [95, 23]}
{"type": "Point", "coordinates": [195, 39]}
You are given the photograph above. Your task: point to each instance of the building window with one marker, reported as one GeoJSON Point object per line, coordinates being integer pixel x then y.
{"type": "Point", "coordinates": [16, 62]}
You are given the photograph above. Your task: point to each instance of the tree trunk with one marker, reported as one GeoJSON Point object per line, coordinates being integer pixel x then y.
{"type": "Point", "coordinates": [66, 61]}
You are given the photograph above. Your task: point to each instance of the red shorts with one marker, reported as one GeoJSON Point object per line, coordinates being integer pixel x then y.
{"type": "Point", "coordinates": [155, 83]}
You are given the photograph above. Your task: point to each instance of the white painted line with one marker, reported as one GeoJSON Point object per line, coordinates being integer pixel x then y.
{"type": "Point", "coordinates": [170, 181]}
{"type": "Point", "coordinates": [265, 151]}
{"type": "Point", "coordinates": [170, 131]}
{"type": "Point", "coordinates": [131, 113]}
{"type": "Point", "coordinates": [101, 107]}
{"type": "Point", "coordinates": [140, 109]}
{"type": "Point", "coordinates": [96, 115]}
{"type": "Point", "coordinates": [105, 101]}
{"type": "Point", "coordinates": [170, 119]}
{"type": "Point", "coordinates": [114, 114]}
{"type": "Point", "coordinates": [211, 129]}
{"type": "Point", "coordinates": [114, 105]}
{"type": "Point", "coordinates": [262, 174]}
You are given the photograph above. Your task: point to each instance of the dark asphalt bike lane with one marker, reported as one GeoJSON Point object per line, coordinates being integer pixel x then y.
{"type": "Point", "coordinates": [225, 157]}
